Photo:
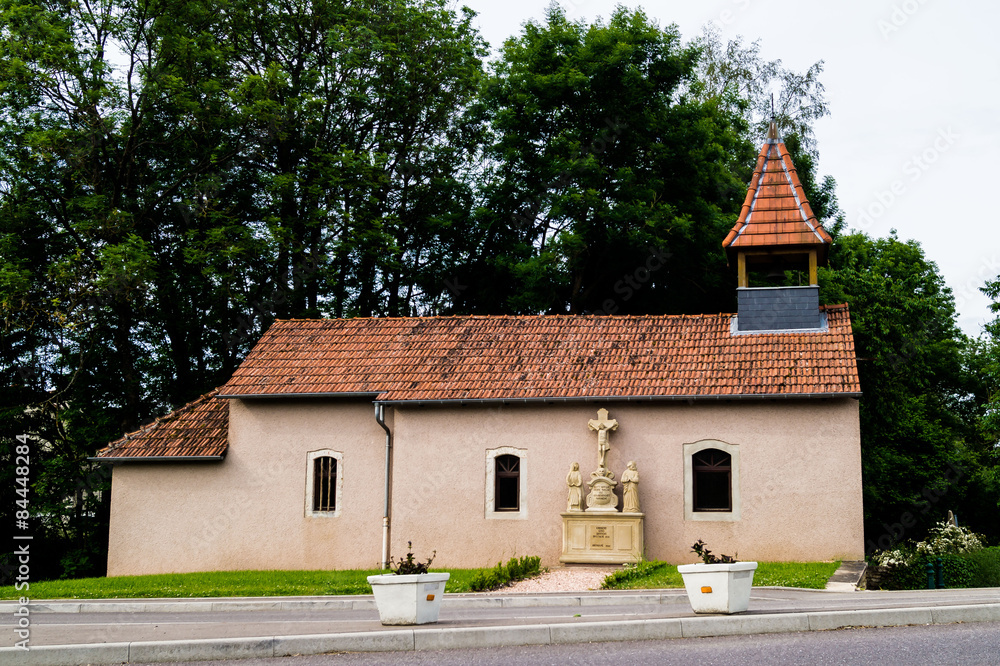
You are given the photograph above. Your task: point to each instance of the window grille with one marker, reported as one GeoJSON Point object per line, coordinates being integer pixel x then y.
{"type": "Point", "coordinates": [324, 484]}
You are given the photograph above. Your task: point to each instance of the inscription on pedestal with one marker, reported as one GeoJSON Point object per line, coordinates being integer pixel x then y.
{"type": "Point", "coordinates": [613, 538]}
{"type": "Point", "coordinates": [601, 538]}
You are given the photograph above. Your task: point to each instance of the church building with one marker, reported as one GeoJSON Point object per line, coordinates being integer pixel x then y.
{"type": "Point", "coordinates": [337, 441]}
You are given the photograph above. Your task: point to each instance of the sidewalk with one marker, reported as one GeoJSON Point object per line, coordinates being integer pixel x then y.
{"type": "Point", "coordinates": [136, 631]}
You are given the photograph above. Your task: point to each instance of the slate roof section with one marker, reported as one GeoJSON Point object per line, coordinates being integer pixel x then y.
{"type": "Point", "coordinates": [199, 429]}
{"type": "Point", "coordinates": [542, 357]}
{"type": "Point", "coordinates": [776, 213]}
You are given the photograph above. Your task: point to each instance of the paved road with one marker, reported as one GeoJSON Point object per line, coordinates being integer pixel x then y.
{"type": "Point", "coordinates": [67, 628]}
{"type": "Point", "coordinates": [932, 645]}
{"type": "Point", "coordinates": [112, 632]}
{"type": "Point", "coordinates": [75, 628]}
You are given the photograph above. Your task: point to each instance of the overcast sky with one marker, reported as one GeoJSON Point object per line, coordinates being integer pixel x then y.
{"type": "Point", "coordinates": [914, 92]}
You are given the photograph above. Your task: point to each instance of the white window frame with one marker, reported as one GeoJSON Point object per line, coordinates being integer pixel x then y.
{"type": "Point", "coordinates": [311, 476]}
{"type": "Point", "coordinates": [689, 450]}
{"type": "Point", "coordinates": [522, 484]}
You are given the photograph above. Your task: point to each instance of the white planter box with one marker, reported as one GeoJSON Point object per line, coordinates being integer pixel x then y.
{"type": "Point", "coordinates": [411, 599]}
{"type": "Point", "coordinates": [718, 588]}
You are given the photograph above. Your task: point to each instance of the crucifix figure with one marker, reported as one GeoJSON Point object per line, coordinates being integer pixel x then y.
{"type": "Point", "coordinates": [603, 425]}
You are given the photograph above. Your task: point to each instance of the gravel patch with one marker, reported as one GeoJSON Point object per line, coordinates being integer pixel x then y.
{"type": "Point", "coordinates": [563, 579]}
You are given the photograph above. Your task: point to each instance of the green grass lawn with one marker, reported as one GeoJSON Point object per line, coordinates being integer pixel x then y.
{"type": "Point", "coordinates": [795, 574]}
{"type": "Point", "coordinates": [219, 584]}
{"type": "Point", "coordinates": [785, 574]}
{"type": "Point", "coordinates": [315, 583]}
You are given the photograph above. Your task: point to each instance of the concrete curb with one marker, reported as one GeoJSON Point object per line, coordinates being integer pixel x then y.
{"type": "Point", "coordinates": [492, 636]}
{"type": "Point", "coordinates": [359, 602]}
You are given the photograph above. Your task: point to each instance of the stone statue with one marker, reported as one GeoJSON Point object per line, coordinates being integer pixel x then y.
{"type": "Point", "coordinates": [574, 482]}
{"type": "Point", "coordinates": [603, 425]}
{"type": "Point", "coordinates": [630, 494]}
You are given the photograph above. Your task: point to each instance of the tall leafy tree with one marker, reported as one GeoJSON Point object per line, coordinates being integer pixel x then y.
{"type": "Point", "coordinates": [173, 175]}
{"type": "Point", "coordinates": [988, 365]}
{"type": "Point", "coordinates": [358, 157]}
{"type": "Point", "coordinates": [109, 119]}
{"type": "Point", "coordinates": [983, 365]}
{"type": "Point", "coordinates": [608, 186]}
{"type": "Point", "coordinates": [919, 453]}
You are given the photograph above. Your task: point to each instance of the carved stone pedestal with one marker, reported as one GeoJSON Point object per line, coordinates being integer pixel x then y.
{"type": "Point", "coordinates": [603, 538]}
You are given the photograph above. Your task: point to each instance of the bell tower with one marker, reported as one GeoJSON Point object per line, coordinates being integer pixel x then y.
{"type": "Point", "coordinates": [777, 231]}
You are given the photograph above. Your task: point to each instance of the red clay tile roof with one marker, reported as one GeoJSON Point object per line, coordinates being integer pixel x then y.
{"type": "Point", "coordinates": [537, 357]}
{"type": "Point", "coordinates": [198, 429]}
{"type": "Point", "coordinates": [776, 212]}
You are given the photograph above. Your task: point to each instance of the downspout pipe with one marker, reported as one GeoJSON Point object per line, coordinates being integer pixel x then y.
{"type": "Point", "coordinates": [380, 419]}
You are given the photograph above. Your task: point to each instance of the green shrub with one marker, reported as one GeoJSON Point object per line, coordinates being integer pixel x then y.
{"type": "Point", "coordinates": [979, 568]}
{"type": "Point", "coordinates": [504, 574]}
{"type": "Point", "coordinates": [621, 579]}
{"type": "Point", "coordinates": [987, 567]}
{"type": "Point", "coordinates": [958, 570]}
{"type": "Point", "coordinates": [964, 561]}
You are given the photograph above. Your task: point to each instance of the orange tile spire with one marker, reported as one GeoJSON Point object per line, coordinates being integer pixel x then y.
{"type": "Point", "coordinates": [776, 214]}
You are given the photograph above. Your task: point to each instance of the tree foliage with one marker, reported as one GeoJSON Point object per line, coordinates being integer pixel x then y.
{"type": "Point", "coordinates": [175, 175]}
{"type": "Point", "coordinates": [920, 454]}
{"type": "Point", "coordinates": [608, 186]}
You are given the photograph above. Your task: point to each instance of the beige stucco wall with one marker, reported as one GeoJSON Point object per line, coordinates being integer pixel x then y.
{"type": "Point", "coordinates": [800, 478]}
{"type": "Point", "coordinates": [248, 512]}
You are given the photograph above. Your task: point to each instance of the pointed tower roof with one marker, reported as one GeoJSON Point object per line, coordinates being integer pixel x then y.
{"type": "Point", "coordinates": [776, 214]}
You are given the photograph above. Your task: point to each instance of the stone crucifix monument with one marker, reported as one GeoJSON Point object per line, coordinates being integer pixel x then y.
{"type": "Point", "coordinates": [602, 481]}
{"type": "Point", "coordinates": [600, 533]}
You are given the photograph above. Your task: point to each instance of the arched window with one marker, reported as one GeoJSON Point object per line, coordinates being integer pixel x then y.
{"type": "Point", "coordinates": [507, 480]}
{"type": "Point", "coordinates": [506, 483]}
{"type": "Point", "coordinates": [324, 484]}
{"type": "Point", "coordinates": [712, 476]}
{"type": "Point", "coordinates": [712, 481]}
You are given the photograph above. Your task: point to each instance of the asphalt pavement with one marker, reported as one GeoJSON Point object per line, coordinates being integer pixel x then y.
{"type": "Point", "coordinates": [138, 631]}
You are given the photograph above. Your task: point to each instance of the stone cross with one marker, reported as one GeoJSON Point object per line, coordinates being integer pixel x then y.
{"type": "Point", "coordinates": [603, 425]}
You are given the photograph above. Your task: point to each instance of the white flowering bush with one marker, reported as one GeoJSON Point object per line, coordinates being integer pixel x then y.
{"type": "Point", "coordinates": [946, 538]}
{"type": "Point", "coordinates": [898, 556]}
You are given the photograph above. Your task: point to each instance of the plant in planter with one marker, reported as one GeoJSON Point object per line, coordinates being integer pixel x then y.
{"type": "Point", "coordinates": [720, 584]}
{"type": "Point", "coordinates": [409, 595]}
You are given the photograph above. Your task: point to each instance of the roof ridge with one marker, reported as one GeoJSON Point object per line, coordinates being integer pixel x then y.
{"type": "Point", "coordinates": [295, 320]}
